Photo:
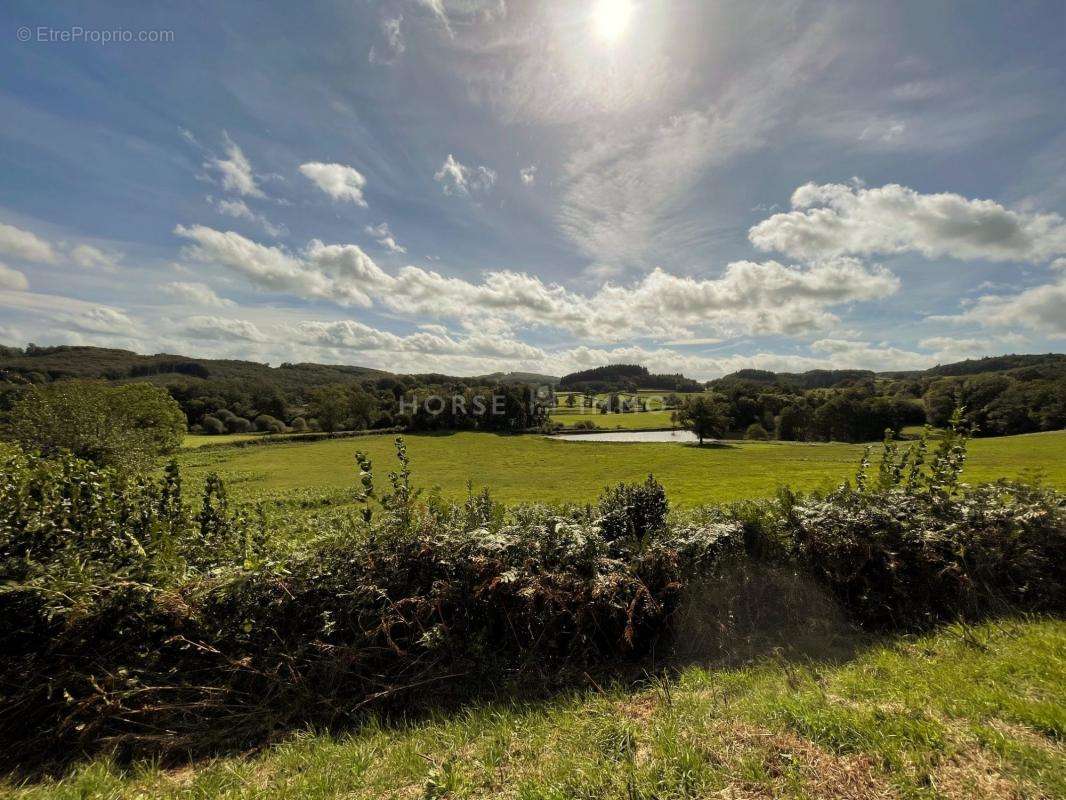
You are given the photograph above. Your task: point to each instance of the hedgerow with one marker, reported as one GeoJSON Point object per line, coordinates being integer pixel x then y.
{"type": "Point", "coordinates": [134, 619]}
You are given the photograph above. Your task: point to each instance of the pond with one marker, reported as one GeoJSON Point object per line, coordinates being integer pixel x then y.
{"type": "Point", "coordinates": [630, 436]}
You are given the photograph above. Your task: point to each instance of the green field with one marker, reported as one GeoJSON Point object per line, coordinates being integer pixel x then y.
{"type": "Point", "coordinates": [193, 441]}
{"type": "Point", "coordinates": [638, 420]}
{"type": "Point", "coordinates": [537, 468]}
{"type": "Point", "coordinates": [969, 712]}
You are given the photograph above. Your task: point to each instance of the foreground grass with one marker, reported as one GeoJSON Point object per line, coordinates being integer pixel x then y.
{"type": "Point", "coordinates": [968, 712]}
{"type": "Point", "coordinates": [537, 468]}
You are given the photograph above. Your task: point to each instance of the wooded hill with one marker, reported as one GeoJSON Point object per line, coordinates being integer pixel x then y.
{"type": "Point", "coordinates": [46, 364]}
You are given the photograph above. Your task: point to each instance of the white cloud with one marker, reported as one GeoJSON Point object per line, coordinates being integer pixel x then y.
{"type": "Point", "coordinates": [351, 335]}
{"type": "Point", "coordinates": [383, 236]}
{"type": "Point", "coordinates": [222, 329]}
{"type": "Point", "coordinates": [749, 297]}
{"type": "Point", "coordinates": [100, 320]}
{"type": "Point", "coordinates": [12, 279]}
{"type": "Point", "coordinates": [884, 131]}
{"type": "Point", "coordinates": [528, 175]}
{"type": "Point", "coordinates": [25, 246]}
{"type": "Point", "coordinates": [333, 273]}
{"type": "Point", "coordinates": [948, 349]}
{"type": "Point", "coordinates": [437, 7]}
{"type": "Point", "coordinates": [238, 209]}
{"type": "Point", "coordinates": [199, 294]}
{"type": "Point", "coordinates": [394, 42]}
{"type": "Point", "coordinates": [1041, 309]}
{"type": "Point", "coordinates": [234, 171]}
{"type": "Point", "coordinates": [458, 179]}
{"type": "Point", "coordinates": [836, 219]}
{"type": "Point", "coordinates": [90, 257]}
{"type": "Point", "coordinates": [339, 181]}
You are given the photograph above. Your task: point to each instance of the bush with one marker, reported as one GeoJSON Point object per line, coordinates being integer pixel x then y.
{"type": "Point", "coordinates": [238, 425]}
{"type": "Point", "coordinates": [269, 424]}
{"type": "Point", "coordinates": [299, 425]}
{"type": "Point", "coordinates": [756, 432]}
{"type": "Point", "coordinates": [213, 425]}
{"type": "Point", "coordinates": [130, 618]}
{"type": "Point", "coordinates": [632, 511]}
{"type": "Point", "coordinates": [402, 596]}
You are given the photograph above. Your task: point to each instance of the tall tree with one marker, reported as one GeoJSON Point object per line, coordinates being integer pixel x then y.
{"type": "Point", "coordinates": [704, 415]}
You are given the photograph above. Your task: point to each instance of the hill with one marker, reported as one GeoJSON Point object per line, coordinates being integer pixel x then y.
{"type": "Point", "coordinates": [625, 377]}
{"type": "Point", "coordinates": [1028, 366]}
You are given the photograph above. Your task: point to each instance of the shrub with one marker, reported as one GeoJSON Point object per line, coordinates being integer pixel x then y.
{"type": "Point", "coordinates": [916, 547]}
{"type": "Point", "coordinates": [299, 425]}
{"type": "Point", "coordinates": [130, 618]}
{"type": "Point", "coordinates": [269, 424]}
{"type": "Point", "coordinates": [238, 425]}
{"type": "Point", "coordinates": [213, 425]}
{"type": "Point", "coordinates": [632, 511]}
{"type": "Point", "coordinates": [756, 432]}
{"type": "Point", "coordinates": [197, 639]}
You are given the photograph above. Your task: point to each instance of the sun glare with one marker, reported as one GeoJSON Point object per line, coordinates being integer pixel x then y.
{"type": "Point", "coordinates": [610, 19]}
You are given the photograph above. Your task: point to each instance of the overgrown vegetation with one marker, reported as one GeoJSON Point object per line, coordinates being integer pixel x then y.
{"type": "Point", "coordinates": [134, 619]}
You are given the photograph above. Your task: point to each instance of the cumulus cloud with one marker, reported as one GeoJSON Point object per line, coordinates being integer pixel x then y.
{"type": "Point", "coordinates": [199, 294]}
{"type": "Point", "coordinates": [1039, 309]}
{"type": "Point", "coordinates": [458, 179]}
{"type": "Point", "coordinates": [335, 272]}
{"type": "Point", "coordinates": [25, 245]}
{"type": "Point", "coordinates": [222, 329]}
{"type": "Point", "coordinates": [528, 175]}
{"type": "Point", "coordinates": [90, 257]}
{"type": "Point", "coordinates": [234, 171]}
{"type": "Point", "coordinates": [351, 335]}
{"type": "Point", "coordinates": [383, 236]}
{"type": "Point", "coordinates": [749, 297]}
{"type": "Point", "coordinates": [238, 209]}
{"type": "Point", "coordinates": [12, 279]}
{"type": "Point", "coordinates": [836, 219]}
{"type": "Point", "coordinates": [339, 181]}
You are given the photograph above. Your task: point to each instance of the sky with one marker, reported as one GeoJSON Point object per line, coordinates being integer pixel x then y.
{"type": "Point", "coordinates": [469, 186]}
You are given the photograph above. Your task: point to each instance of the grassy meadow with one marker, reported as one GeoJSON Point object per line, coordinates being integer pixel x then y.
{"type": "Point", "coordinates": [967, 712]}
{"type": "Point", "coordinates": [538, 468]}
{"type": "Point", "coordinates": [637, 420]}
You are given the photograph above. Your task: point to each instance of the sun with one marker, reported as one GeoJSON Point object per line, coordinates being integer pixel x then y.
{"type": "Point", "coordinates": [610, 19]}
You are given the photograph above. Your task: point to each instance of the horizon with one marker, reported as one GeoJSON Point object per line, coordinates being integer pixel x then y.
{"type": "Point", "coordinates": [477, 186]}
{"type": "Point", "coordinates": [646, 367]}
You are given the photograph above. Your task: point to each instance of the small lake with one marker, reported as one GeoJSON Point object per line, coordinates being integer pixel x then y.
{"type": "Point", "coordinates": [630, 436]}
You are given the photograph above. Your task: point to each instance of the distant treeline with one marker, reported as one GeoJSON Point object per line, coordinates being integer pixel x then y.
{"type": "Point", "coordinates": [1001, 395]}
{"type": "Point", "coordinates": [1017, 394]}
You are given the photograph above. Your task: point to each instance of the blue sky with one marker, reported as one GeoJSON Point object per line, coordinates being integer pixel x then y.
{"type": "Point", "coordinates": [466, 186]}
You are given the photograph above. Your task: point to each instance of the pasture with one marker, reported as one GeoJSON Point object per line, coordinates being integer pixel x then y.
{"type": "Point", "coordinates": [637, 420]}
{"type": "Point", "coordinates": [537, 468]}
